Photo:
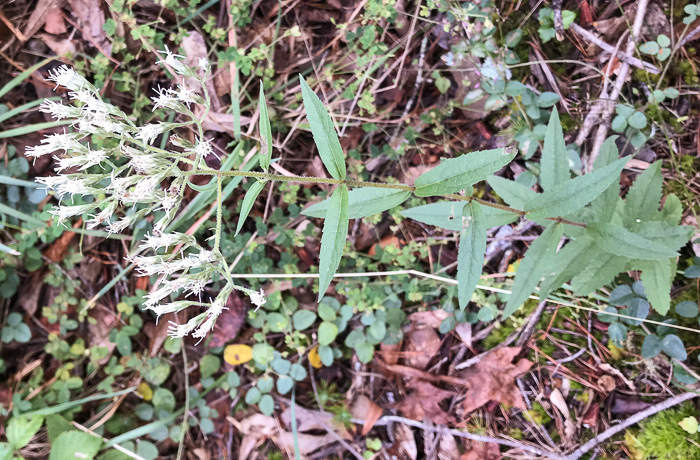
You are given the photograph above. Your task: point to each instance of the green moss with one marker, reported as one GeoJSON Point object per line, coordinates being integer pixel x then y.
{"type": "Point", "coordinates": [661, 438]}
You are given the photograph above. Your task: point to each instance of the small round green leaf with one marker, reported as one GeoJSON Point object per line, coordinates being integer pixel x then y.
{"type": "Point", "coordinates": [284, 384]}
{"type": "Point", "coordinates": [252, 396]}
{"type": "Point", "coordinates": [297, 372]}
{"type": "Point", "coordinates": [267, 405]}
{"type": "Point", "coordinates": [326, 354]}
{"type": "Point", "coordinates": [327, 333]}
{"type": "Point", "coordinates": [326, 312]}
{"type": "Point", "coordinates": [281, 366]}
{"type": "Point", "coordinates": [651, 347]}
{"type": "Point", "coordinates": [265, 384]}
{"type": "Point", "coordinates": [687, 309]}
{"type": "Point", "coordinates": [673, 346]}
{"type": "Point", "coordinates": [303, 319]}
{"type": "Point", "coordinates": [649, 48]}
{"type": "Point", "coordinates": [638, 120]}
{"type": "Point", "coordinates": [365, 352]}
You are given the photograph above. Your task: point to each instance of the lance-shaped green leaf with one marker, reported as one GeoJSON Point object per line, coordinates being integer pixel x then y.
{"type": "Point", "coordinates": [322, 127]}
{"type": "Point", "coordinates": [603, 207]}
{"type": "Point", "coordinates": [513, 193]}
{"type": "Point", "coordinates": [462, 172]}
{"type": "Point", "coordinates": [265, 131]}
{"type": "Point", "coordinates": [601, 270]}
{"type": "Point", "coordinates": [572, 195]}
{"type": "Point", "coordinates": [672, 236]}
{"type": "Point", "coordinates": [555, 161]}
{"type": "Point", "coordinates": [472, 246]}
{"type": "Point", "coordinates": [672, 211]}
{"type": "Point", "coordinates": [568, 262]}
{"type": "Point", "coordinates": [445, 214]}
{"type": "Point", "coordinates": [617, 240]}
{"type": "Point", "coordinates": [248, 200]}
{"type": "Point", "coordinates": [363, 202]}
{"type": "Point", "coordinates": [642, 200]}
{"type": "Point", "coordinates": [657, 276]}
{"type": "Point", "coordinates": [537, 258]}
{"type": "Point", "coordinates": [335, 231]}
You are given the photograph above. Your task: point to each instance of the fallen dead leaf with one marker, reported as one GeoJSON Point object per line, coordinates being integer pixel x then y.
{"type": "Point", "coordinates": [308, 420]}
{"type": "Point", "coordinates": [39, 16]}
{"type": "Point", "coordinates": [606, 383]}
{"type": "Point", "coordinates": [482, 451]}
{"type": "Point", "coordinates": [91, 20]}
{"type": "Point", "coordinates": [432, 318]}
{"type": "Point", "coordinates": [406, 441]}
{"type": "Point", "coordinates": [59, 46]}
{"type": "Point", "coordinates": [28, 299]}
{"type": "Point", "coordinates": [59, 248]}
{"type": "Point", "coordinates": [424, 403]}
{"type": "Point", "coordinates": [54, 23]}
{"type": "Point", "coordinates": [447, 447]}
{"type": "Point", "coordinates": [493, 379]}
{"type": "Point", "coordinates": [363, 408]}
{"type": "Point", "coordinates": [422, 344]}
{"type": "Point", "coordinates": [230, 322]}
{"type": "Point", "coordinates": [557, 400]}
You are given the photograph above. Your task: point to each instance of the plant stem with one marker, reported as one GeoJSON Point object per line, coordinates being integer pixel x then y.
{"type": "Point", "coordinates": [219, 211]}
{"type": "Point", "coordinates": [356, 183]}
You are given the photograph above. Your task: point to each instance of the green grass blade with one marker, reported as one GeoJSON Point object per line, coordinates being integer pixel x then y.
{"type": "Point", "coordinates": [5, 209]}
{"type": "Point", "coordinates": [23, 107]}
{"type": "Point", "coordinates": [70, 404]}
{"type": "Point", "coordinates": [32, 128]}
{"type": "Point", "coordinates": [19, 182]}
{"type": "Point", "coordinates": [20, 78]}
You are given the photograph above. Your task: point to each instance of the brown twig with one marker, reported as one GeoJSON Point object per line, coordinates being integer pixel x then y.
{"type": "Point", "coordinates": [636, 418]}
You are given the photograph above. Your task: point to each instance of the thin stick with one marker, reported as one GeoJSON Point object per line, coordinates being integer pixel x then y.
{"type": "Point", "coordinates": [463, 434]}
{"type": "Point", "coordinates": [638, 417]}
{"type": "Point", "coordinates": [631, 60]}
{"type": "Point", "coordinates": [617, 89]}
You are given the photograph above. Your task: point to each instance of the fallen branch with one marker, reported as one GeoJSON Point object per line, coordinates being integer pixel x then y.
{"type": "Point", "coordinates": [636, 418]}
{"type": "Point", "coordinates": [631, 60]}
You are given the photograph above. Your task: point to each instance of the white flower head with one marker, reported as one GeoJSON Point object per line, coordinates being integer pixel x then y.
{"type": "Point", "coordinates": [203, 148]}
{"type": "Point", "coordinates": [204, 328]}
{"type": "Point", "coordinates": [216, 308]}
{"type": "Point", "coordinates": [173, 60]}
{"type": "Point", "coordinates": [67, 77]}
{"type": "Point", "coordinates": [185, 95]}
{"type": "Point", "coordinates": [183, 330]}
{"type": "Point", "coordinates": [258, 298]}
{"type": "Point", "coordinates": [203, 63]}
{"type": "Point", "coordinates": [59, 111]}
{"type": "Point", "coordinates": [148, 133]}
{"type": "Point", "coordinates": [103, 216]}
{"type": "Point", "coordinates": [166, 98]}
{"type": "Point", "coordinates": [65, 212]}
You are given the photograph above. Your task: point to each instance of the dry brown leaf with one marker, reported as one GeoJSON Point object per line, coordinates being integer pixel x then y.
{"type": "Point", "coordinates": [363, 408]}
{"type": "Point", "coordinates": [557, 400]}
{"type": "Point", "coordinates": [447, 447]}
{"type": "Point", "coordinates": [58, 46]}
{"type": "Point", "coordinates": [308, 420]}
{"type": "Point", "coordinates": [431, 318]}
{"type": "Point", "coordinates": [493, 379]}
{"type": "Point", "coordinates": [482, 451]}
{"type": "Point", "coordinates": [91, 19]}
{"type": "Point", "coordinates": [39, 16]}
{"type": "Point", "coordinates": [424, 403]}
{"type": "Point", "coordinates": [405, 440]}
{"type": "Point", "coordinates": [230, 322]}
{"type": "Point", "coordinates": [28, 299]}
{"type": "Point", "coordinates": [423, 342]}
{"type": "Point", "coordinates": [54, 22]}
{"type": "Point", "coordinates": [59, 248]}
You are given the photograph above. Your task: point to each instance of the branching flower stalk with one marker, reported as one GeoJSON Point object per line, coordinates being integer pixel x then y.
{"type": "Point", "coordinates": [150, 181]}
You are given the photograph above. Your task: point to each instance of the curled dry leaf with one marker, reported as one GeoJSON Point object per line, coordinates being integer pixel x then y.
{"type": "Point", "coordinates": [482, 451]}
{"type": "Point", "coordinates": [424, 403]}
{"type": "Point", "coordinates": [363, 408]}
{"type": "Point", "coordinates": [493, 379]}
{"type": "Point", "coordinates": [423, 343]}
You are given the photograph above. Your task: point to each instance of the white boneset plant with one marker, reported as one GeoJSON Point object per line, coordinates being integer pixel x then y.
{"type": "Point", "coordinates": [603, 234]}
{"type": "Point", "coordinates": [151, 180]}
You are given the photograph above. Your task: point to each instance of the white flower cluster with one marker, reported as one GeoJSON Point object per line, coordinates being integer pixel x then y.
{"type": "Point", "coordinates": [131, 173]}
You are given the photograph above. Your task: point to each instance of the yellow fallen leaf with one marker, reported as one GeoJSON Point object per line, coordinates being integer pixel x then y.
{"type": "Point", "coordinates": [238, 354]}
{"type": "Point", "coordinates": [314, 358]}
{"type": "Point", "coordinates": [145, 391]}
